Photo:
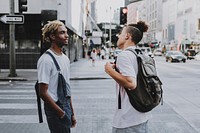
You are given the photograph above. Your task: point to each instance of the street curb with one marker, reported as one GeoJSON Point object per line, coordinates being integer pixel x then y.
{"type": "Point", "coordinates": [74, 78]}
{"type": "Point", "coordinates": [13, 79]}
{"type": "Point", "coordinates": [88, 78]}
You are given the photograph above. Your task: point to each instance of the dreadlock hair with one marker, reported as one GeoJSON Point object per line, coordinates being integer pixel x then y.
{"type": "Point", "coordinates": [136, 31]}
{"type": "Point", "coordinates": [50, 28]}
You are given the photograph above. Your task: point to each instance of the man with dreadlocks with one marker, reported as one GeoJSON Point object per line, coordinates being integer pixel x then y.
{"type": "Point", "coordinates": [59, 120]}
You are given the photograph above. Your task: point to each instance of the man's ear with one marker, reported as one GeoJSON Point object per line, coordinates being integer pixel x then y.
{"type": "Point", "coordinates": [52, 36]}
{"type": "Point", "coordinates": [126, 37]}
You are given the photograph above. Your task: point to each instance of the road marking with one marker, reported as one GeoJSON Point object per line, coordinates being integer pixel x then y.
{"type": "Point", "coordinates": [18, 106]}
{"type": "Point", "coordinates": [20, 119]}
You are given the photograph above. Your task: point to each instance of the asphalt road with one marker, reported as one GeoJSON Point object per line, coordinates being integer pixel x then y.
{"type": "Point", "coordinates": [94, 100]}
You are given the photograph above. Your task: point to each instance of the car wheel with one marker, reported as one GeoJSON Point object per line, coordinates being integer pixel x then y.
{"type": "Point", "coordinates": [184, 61]}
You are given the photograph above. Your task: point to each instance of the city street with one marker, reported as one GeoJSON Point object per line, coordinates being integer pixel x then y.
{"type": "Point", "coordinates": [93, 94]}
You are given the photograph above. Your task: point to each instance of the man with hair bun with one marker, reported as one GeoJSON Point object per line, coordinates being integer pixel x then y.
{"type": "Point", "coordinates": [60, 117]}
{"type": "Point", "coordinates": [126, 118]}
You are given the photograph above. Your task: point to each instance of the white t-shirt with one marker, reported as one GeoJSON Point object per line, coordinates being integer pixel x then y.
{"type": "Point", "coordinates": [93, 55]}
{"type": "Point", "coordinates": [48, 74]}
{"type": "Point", "coordinates": [127, 116]}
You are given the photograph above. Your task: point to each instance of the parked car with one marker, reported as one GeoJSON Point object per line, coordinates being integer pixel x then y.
{"type": "Point", "coordinates": [197, 56]}
{"type": "Point", "coordinates": [175, 56]}
{"type": "Point", "coordinates": [190, 53]}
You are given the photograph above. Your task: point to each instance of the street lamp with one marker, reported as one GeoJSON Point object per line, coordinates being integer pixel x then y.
{"type": "Point", "coordinates": [110, 31]}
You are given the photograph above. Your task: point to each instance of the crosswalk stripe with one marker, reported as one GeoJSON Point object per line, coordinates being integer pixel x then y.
{"type": "Point", "coordinates": [17, 91]}
{"type": "Point", "coordinates": [18, 94]}
{"type": "Point", "coordinates": [18, 106]}
{"type": "Point", "coordinates": [18, 97]}
{"type": "Point", "coordinates": [20, 119]}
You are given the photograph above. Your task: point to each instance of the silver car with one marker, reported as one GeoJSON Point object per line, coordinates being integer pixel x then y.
{"type": "Point", "coordinates": [175, 56]}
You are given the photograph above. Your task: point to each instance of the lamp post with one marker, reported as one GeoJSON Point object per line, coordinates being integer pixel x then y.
{"type": "Point", "coordinates": [105, 33]}
{"type": "Point", "coordinates": [110, 31]}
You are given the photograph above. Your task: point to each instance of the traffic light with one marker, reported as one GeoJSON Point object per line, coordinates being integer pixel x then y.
{"type": "Point", "coordinates": [22, 6]}
{"type": "Point", "coordinates": [123, 15]}
{"type": "Point", "coordinates": [88, 33]}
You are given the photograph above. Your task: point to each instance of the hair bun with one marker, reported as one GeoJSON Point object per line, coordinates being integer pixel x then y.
{"type": "Point", "coordinates": [142, 26]}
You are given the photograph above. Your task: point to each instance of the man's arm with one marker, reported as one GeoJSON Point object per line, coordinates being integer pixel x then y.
{"type": "Point", "coordinates": [48, 100]}
{"type": "Point", "coordinates": [125, 81]}
{"type": "Point", "coordinates": [73, 115]}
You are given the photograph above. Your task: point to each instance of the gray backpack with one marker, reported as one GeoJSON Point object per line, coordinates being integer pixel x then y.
{"type": "Point", "coordinates": [148, 93]}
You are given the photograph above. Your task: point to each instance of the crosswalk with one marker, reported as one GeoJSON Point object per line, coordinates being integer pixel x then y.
{"type": "Point", "coordinates": [93, 102]}
{"type": "Point", "coordinates": [18, 103]}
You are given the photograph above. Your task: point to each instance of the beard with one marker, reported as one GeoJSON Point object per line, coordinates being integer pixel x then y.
{"type": "Point", "coordinates": [61, 44]}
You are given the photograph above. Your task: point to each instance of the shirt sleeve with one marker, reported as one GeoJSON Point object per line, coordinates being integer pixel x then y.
{"type": "Point", "coordinates": [127, 64]}
{"type": "Point", "coordinates": [44, 70]}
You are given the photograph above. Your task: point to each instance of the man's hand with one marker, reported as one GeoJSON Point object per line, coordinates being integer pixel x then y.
{"type": "Point", "coordinates": [73, 121]}
{"type": "Point", "coordinates": [109, 66]}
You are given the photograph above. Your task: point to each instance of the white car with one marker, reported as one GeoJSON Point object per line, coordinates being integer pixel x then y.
{"type": "Point", "coordinates": [197, 56]}
{"type": "Point", "coordinates": [157, 52]}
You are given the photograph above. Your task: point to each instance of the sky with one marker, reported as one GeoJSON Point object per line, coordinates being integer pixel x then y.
{"type": "Point", "coordinates": [103, 9]}
{"type": "Point", "coordinates": [104, 13]}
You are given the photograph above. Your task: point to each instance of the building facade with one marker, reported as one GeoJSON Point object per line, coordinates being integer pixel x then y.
{"type": "Point", "coordinates": [28, 44]}
{"type": "Point", "coordinates": [172, 23]}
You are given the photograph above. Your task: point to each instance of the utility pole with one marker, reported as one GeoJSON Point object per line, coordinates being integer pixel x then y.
{"type": "Point", "coordinates": [12, 57]}
{"type": "Point", "coordinates": [110, 31]}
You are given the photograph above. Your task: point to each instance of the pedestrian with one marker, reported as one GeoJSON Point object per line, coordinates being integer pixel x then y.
{"type": "Point", "coordinates": [60, 116]}
{"type": "Point", "coordinates": [103, 53]}
{"type": "Point", "coordinates": [127, 119]}
{"type": "Point", "coordinates": [93, 56]}
{"type": "Point", "coordinates": [99, 53]}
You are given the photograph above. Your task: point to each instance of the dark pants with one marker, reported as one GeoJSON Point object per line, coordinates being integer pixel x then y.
{"type": "Point", "coordinates": [57, 125]}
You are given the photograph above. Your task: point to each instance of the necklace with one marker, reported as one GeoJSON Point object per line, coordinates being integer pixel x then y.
{"type": "Point", "coordinates": [55, 52]}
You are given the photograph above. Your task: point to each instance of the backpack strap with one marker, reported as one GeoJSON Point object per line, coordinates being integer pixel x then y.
{"type": "Point", "coordinates": [38, 102]}
{"type": "Point", "coordinates": [37, 89]}
{"type": "Point", "coordinates": [119, 95]}
{"type": "Point", "coordinates": [60, 91]}
{"type": "Point", "coordinates": [54, 60]}
{"type": "Point", "coordinates": [135, 51]}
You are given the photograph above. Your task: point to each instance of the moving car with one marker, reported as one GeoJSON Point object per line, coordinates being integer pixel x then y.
{"type": "Point", "coordinates": [175, 56]}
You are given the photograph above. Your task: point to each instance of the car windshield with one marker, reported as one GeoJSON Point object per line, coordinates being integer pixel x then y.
{"type": "Point", "coordinates": [176, 53]}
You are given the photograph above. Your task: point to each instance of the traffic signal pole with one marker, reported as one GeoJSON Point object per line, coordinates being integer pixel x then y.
{"type": "Point", "coordinates": [12, 57]}
{"type": "Point", "coordinates": [110, 31]}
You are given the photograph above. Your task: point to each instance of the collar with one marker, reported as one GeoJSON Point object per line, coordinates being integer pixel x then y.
{"type": "Point", "coordinates": [131, 47]}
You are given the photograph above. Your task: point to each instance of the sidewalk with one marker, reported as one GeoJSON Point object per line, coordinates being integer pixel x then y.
{"type": "Point", "coordinates": [82, 69]}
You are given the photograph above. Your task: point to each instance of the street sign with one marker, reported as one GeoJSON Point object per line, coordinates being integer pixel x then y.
{"type": "Point", "coordinates": [12, 19]}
